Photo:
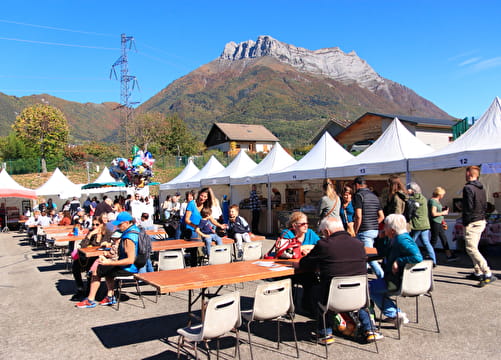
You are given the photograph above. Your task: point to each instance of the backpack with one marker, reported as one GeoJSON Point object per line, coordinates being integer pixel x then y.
{"type": "Point", "coordinates": [410, 210]}
{"type": "Point", "coordinates": [143, 248]}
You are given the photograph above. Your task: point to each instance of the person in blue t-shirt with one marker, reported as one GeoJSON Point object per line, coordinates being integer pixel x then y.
{"type": "Point", "coordinates": [298, 228]}
{"type": "Point", "coordinates": [109, 269]}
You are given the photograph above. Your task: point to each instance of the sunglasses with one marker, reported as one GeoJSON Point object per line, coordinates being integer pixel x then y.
{"type": "Point", "coordinates": [95, 224]}
{"type": "Point", "coordinates": [302, 224]}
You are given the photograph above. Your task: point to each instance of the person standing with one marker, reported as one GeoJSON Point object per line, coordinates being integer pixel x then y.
{"type": "Point", "coordinates": [330, 203]}
{"type": "Point", "coordinates": [368, 215]}
{"type": "Point", "coordinates": [346, 211]}
{"type": "Point", "coordinates": [474, 205]}
{"type": "Point", "coordinates": [436, 215]}
{"type": "Point", "coordinates": [255, 206]}
{"type": "Point", "coordinates": [420, 223]}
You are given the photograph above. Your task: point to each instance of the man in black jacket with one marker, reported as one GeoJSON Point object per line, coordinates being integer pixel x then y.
{"type": "Point", "coordinates": [474, 205]}
{"type": "Point", "coordinates": [337, 254]}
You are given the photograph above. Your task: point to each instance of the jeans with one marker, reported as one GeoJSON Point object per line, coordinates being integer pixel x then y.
{"type": "Point", "coordinates": [148, 267]}
{"type": "Point", "coordinates": [367, 238]}
{"type": "Point", "coordinates": [473, 231]}
{"type": "Point", "coordinates": [424, 235]}
{"type": "Point", "coordinates": [377, 292]}
{"type": "Point", "coordinates": [209, 238]}
{"type": "Point", "coordinates": [241, 237]}
{"type": "Point", "coordinates": [437, 232]}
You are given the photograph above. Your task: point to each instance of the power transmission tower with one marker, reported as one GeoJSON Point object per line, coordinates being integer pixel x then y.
{"type": "Point", "coordinates": [127, 84]}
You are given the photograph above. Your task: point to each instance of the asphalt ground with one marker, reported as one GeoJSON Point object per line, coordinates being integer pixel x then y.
{"type": "Point", "coordinates": [39, 321]}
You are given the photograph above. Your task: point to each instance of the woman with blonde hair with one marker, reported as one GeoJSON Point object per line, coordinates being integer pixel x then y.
{"type": "Point", "coordinates": [330, 203]}
{"type": "Point", "coordinates": [436, 214]}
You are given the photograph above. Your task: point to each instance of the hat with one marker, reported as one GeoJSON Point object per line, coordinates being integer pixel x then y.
{"type": "Point", "coordinates": [177, 193]}
{"type": "Point", "coordinates": [122, 217]}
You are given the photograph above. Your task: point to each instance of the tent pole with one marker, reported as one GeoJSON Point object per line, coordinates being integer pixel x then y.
{"type": "Point", "coordinates": [269, 215]}
{"type": "Point", "coordinates": [5, 228]}
{"type": "Point", "coordinates": [407, 172]}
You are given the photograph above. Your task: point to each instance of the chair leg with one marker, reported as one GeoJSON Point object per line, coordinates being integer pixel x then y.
{"type": "Point", "coordinates": [250, 341]}
{"type": "Point", "coordinates": [325, 333]}
{"type": "Point", "coordinates": [139, 293]}
{"type": "Point", "coordinates": [237, 336]}
{"type": "Point", "coordinates": [294, 332]}
{"type": "Point", "coordinates": [179, 344]}
{"type": "Point", "coordinates": [119, 294]}
{"type": "Point", "coordinates": [397, 320]}
{"type": "Point", "coordinates": [434, 312]}
{"type": "Point", "coordinates": [417, 309]}
{"type": "Point", "coordinates": [373, 329]}
{"type": "Point", "coordinates": [278, 333]}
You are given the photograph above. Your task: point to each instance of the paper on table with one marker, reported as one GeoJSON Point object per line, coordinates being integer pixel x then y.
{"type": "Point", "coordinates": [265, 263]}
{"type": "Point", "coordinates": [279, 268]}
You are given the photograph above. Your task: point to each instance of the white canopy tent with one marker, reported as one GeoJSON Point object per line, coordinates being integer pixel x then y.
{"type": "Point", "coordinates": [240, 165]}
{"type": "Point", "coordinates": [188, 172]}
{"type": "Point", "coordinates": [479, 144]}
{"type": "Point", "coordinates": [211, 168]}
{"type": "Point", "coordinates": [277, 159]}
{"type": "Point", "coordinates": [58, 184]}
{"type": "Point", "coordinates": [105, 179]}
{"type": "Point", "coordinates": [388, 154]}
{"type": "Point", "coordinates": [326, 153]}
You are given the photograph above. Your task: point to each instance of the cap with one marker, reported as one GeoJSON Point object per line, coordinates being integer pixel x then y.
{"type": "Point", "coordinates": [122, 217]}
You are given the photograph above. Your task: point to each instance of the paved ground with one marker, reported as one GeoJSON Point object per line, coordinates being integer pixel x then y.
{"type": "Point", "coordinates": [38, 320]}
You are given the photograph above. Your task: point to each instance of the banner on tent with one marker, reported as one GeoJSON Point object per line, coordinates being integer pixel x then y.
{"type": "Point", "coordinates": [491, 168]}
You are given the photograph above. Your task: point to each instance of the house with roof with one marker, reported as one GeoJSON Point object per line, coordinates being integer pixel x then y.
{"type": "Point", "coordinates": [230, 138]}
{"type": "Point", "coordinates": [436, 133]}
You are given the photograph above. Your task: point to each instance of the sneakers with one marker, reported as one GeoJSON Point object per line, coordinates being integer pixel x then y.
{"type": "Point", "coordinates": [86, 303]}
{"type": "Point", "coordinates": [108, 300]}
{"type": "Point", "coordinates": [240, 254]}
{"type": "Point", "coordinates": [326, 340]}
{"type": "Point", "coordinates": [487, 280]}
{"type": "Point", "coordinates": [474, 276]}
{"type": "Point", "coordinates": [372, 336]}
{"type": "Point", "coordinates": [402, 319]}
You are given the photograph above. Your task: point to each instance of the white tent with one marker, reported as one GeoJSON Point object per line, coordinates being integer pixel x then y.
{"type": "Point", "coordinates": [211, 168]}
{"type": "Point", "coordinates": [326, 153]}
{"type": "Point", "coordinates": [277, 159]}
{"type": "Point", "coordinates": [479, 144]}
{"type": "Point", "coordinates": [59, 184]}
{"type": "Point", "coordinates": [10, 188]}
{"type": "Point", "coordinates": [105, 177]}
{"type": "Point", "coordinates": [188, 172]}
{"type": "Point", "coordinates": [240, 166]}
{"type": "Point", "coordinates": [388, 154]}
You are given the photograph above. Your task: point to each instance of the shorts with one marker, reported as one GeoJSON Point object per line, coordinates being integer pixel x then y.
{"type": "Point", "coordinates": [112, 271]}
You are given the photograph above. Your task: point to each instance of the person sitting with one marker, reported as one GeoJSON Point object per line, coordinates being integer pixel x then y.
{"type": "Point", "coordinates": [398, 249]}
{"type": "Point", "coordinates": [146, 222]}
{"type": "Point", "coordinates": [124, 266]}
{"type": "Point", "coordinates": [238, 228]}
{"type": "Point", "coordinates": [66, 220]}
{"type": "Point", "coordinates": [97, 236]}
{"type": "Point", "coordinates": [336, 254]}
{"type": "Point", "coordinates": [206, 229]}
{"type": "Point", "coordinates": [298, 228]}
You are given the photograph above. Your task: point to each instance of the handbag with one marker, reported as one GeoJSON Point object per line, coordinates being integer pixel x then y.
{"type": "Point", "coordinates": [75, 254]}
{"type": "Point", "coordinates": [287, 248]}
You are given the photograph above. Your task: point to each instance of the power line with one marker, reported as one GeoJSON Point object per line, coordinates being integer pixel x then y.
{"type": "Point", "coordinates": [55, 28]}
{"type": "Point", "coordinates": [58, 44]}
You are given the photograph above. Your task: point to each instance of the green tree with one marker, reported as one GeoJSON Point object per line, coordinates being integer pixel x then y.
{"type": "Point", "coordinates": [43, 129]}
{"type": "Point", "coordinates": [12, 148]}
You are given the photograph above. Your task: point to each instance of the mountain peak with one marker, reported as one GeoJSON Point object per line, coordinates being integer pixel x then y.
{"type": "Point", "coordinates": [333, 63]}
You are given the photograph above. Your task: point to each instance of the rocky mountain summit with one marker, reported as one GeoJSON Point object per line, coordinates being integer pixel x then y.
{"type": "Point", "coordinates": [333, 63]}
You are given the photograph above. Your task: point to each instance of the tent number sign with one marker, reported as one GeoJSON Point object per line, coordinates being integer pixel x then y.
{"type": "Point", "coordinates": [463, 161]}
{"type": "Point", "coordinates": [362, 170]}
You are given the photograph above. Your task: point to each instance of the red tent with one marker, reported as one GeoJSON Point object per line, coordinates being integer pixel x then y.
{"type": "Point", "coordinates": [10, 188]}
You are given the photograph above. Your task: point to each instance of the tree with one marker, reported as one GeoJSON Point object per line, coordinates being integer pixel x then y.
{"type": "Point", "coordinates": [167, 134]}
{"type": "Point", "coordinates": [44, 129]}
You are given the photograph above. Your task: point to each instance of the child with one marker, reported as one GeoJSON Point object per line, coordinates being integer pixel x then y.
{"type": "Point", "coordinates": [206, 230]}
{"type": "Point", "coordinates": [238, 228]}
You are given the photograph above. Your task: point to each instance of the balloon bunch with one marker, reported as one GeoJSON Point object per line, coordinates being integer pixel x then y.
{"type": "Point", "coordinates": [135, 171]}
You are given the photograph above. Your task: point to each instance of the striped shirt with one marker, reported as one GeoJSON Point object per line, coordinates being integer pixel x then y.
{"type": "Point", "coordinates": [369, 203]}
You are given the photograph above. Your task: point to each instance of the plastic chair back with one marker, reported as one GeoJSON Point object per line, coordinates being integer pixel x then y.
{"type": "Point", "coordinates": [417, 279]}
{"type": "Point", "coordinates": [348, 293]}
{"type": "Point", "coordinates": [220, 254]}
{"type": "Point", "coordinates": [273, 300]}
{"type": "Point", "coordinates": [222, 314]}
{"type": "Point", "coordinates": [170, 260]}
{"type": "Point", "coordinates": [252, 251]}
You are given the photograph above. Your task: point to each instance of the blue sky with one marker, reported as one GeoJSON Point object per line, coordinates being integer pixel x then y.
{"type": "Point", "coordinates": [447, 51]}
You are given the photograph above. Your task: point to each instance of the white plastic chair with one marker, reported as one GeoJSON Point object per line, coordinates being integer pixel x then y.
{"type": "Point", "coordinates": [222, 315]}
{"type": "Point", "coordinates": [252, 251]}
{"type": "Point", "coordinates": [417, 281]}
{"type": "Point", "coordinates": [120, 280]}
{"type": "Point", "coordinates": [170, 260]}
{"type": "Point", "coordinates": [346, 293]}
{"type": "Point", "coordinates": [272, 301]}
{"type": "Point", "coordinates": [220, 254]}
